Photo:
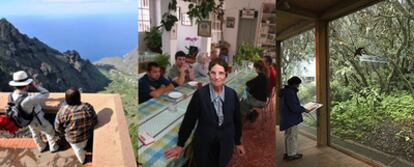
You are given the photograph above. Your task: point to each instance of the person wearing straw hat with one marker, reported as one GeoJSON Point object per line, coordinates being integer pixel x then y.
{"type": "Point", "coordinates": [31, 103]}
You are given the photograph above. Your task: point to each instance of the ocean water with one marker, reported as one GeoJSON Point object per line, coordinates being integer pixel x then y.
{"type": "Point", "coordinates": [93, 36]}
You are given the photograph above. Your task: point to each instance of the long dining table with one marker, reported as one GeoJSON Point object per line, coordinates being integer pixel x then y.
{"type": "Point", "coordinates": [161, 118]}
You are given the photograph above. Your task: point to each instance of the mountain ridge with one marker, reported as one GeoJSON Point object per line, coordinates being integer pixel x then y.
{"type": "Point", "coordinates": [56, 71]}
{"type": "Point", "coordinates": [127, 63]}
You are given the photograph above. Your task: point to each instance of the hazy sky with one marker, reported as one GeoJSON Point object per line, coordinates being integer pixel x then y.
{"type": "Point", "coordinates": [66, 7]}
{"type": "Point", "coordinates": [95, 28]}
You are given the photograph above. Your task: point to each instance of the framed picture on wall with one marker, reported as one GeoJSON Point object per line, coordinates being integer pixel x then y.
{"type": "Point", "coordinates": [230, 22]}
{"type": "Point", "coordinates": [185, 20]}
{"type": "Point", "coordinates": [204, 29]}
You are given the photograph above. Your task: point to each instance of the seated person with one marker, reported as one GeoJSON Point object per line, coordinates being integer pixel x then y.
{"type": "Point", "coordinates": [257, 92]}
{"type": "Point", "coordinates": [214, 53]}
{"type": "Point", "coordinates": [180, 72]}
{"type": "Point", "coordinates": [224, 54]}
{"type": "Point", "coordinates": [200, 68]}
{"type": "Point", "coordinates": [76, 120]}
{"type": "Point", "coordinates": [153, 84]}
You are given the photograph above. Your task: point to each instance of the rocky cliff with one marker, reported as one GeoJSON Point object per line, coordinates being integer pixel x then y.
{"type": "Point", "coordinates": [56, 71]}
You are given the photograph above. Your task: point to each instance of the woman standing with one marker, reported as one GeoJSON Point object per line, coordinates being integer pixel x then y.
{"type": "Point", "coordinates": [216, 108]}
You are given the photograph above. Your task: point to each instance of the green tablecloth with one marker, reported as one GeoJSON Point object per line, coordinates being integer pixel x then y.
{"type": "Point", "coordinates": [159, 121]}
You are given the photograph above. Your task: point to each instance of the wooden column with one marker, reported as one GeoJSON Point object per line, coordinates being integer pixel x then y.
{"type": "Point", "coordinates": [322, 81]}
{"type": "Point", "coordinates": [278, 79]}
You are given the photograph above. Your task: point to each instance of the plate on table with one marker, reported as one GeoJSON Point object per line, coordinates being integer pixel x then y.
{"type": "Point", "coordinates": [175, 95]}
{"type": "Point", "coordinates": [193, 83]}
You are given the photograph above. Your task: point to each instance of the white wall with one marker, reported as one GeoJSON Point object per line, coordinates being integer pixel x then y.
{"type": "Point", "coordinates": [232, 8]}
{"type": "Point", "coordinates": [187, 31]}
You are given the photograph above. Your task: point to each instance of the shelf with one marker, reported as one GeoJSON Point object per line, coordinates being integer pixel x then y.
{"type": "Point", "coordinates": [266, 34]}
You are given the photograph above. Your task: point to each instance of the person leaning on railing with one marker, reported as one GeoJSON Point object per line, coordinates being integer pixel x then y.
{"type": "Point", "coordinates": [76, 120]}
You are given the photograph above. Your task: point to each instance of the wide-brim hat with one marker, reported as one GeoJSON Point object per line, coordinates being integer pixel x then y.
{"type": "Point", "coordinates": [20, 78]}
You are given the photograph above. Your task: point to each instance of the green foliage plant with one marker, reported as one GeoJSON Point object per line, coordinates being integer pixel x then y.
{"type": "Point", "coordinates": [169, 19]}
{"type": "Point", "coordinates": [201, 10]}
{"type": "Point", "coordinates": [247, 52]}
{"type": "Point", "coordinates": [163, 60]}
{"type": "Point", "coordinates": [153, 39]}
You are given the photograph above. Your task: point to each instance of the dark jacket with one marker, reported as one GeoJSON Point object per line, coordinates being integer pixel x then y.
{"type": "Point", "coordinates": [257, 87]}
{"type": "Point", "coordinates": [290, 108]}
{"type": "Point", "coordinates": [208, 132]}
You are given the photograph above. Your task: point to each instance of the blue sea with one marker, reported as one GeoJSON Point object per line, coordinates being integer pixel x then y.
{"type": "Point", "coordinates": [93, 36]}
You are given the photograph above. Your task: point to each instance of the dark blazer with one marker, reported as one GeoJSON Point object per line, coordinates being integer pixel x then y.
{"type": "Point", "coordinates": [290, 108]}
{"type": "Point", "coordinates": [208, 132]}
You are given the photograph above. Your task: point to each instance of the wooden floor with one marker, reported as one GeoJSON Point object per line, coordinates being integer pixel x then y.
{"type": "Point", "coordinates": [314, 156]}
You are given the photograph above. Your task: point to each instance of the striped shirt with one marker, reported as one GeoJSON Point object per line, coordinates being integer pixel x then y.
{"type": "Point", "coordinates": [76, 122]}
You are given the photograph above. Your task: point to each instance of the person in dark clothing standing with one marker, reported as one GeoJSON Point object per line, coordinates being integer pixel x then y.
{"type": "Point", "coordinates": [257, 92]}
{"type": "Point", "coordinates": [290, 116]}
{"type": "Point", "coordinates": [216, 109]}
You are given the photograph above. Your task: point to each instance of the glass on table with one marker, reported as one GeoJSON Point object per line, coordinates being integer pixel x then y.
{"type": "Point", "coordinates": [172, 107]}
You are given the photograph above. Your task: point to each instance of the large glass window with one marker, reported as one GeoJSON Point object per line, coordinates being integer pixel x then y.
{"type": "Point", "coordinates": [143, 16]}
{"type": "Point", "coordinates": [298, 59]}
{"type": "Point", "coordinates": [372, 82]}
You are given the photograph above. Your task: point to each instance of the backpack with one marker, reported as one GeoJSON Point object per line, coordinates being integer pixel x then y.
{"type": "Point", "coordinates": [16, 113]}
{"type": "Point", "coordinates": [7, 124]}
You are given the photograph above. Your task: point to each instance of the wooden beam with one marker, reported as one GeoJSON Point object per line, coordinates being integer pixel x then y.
{"type": "Point", "coordinates": [322, 81]}
{"type": "Point", "coordinates": [344, 8]}
{"type": "Point", "coordinates": [278, 78]}
{"type": "Point", "coordinates": [298, 12]}
{"type": "Point", "coordinates": [299, 27]}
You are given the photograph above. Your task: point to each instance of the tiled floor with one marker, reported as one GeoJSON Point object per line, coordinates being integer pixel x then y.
{"type": "Point", "coordinates": [259, 142]}
{"type": "Point", "coordinates": [22, 152]}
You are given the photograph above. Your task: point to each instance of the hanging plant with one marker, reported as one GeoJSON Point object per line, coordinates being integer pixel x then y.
{"type": "Point", "coordinates": [201, 10]}
{"type": "Point", "coordinates": [168, 19]}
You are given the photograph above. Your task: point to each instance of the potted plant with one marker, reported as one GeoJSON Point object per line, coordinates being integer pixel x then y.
{"type": "Point", "coordinates": [247, 52]}
{"type": "Point", "coordinates": [164, 61]}
{"type": "Point", "coordinates": [192, 49]}
{"type": "Point", "coordinates": [153, 40]}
